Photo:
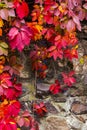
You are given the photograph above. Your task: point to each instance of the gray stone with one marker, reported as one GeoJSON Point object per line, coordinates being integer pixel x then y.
{"type": "Point", "coordinates": [43, 87]}
{"type": "Point", "coordinates": [51, 109]}
{"type": "Point", "coordinates": [84, 127]}
{"type": "Point", "coordinates": [68, 104]}
{"type": "Point", "coordinates": [79, 108]}
{"type": "Point", "coordinates": [74, 122]}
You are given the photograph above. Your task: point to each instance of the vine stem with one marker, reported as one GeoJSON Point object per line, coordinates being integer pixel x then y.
{"type": "Point", "coordinates": [55, 72]}
{"type": "Point", "coordinates": [35, 81]}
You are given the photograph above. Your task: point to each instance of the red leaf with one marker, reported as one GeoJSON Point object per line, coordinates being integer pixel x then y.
{"type": "Point", "coordinates": [58, 53]}
{"type": "Point", "coordinates": [22, 9]}
{"type": "Point", "coordinates": [55, 88]}
{"type": "Point", "coordinates": [85, 5]}
{"type": "Point", "coordinates": [26, 114]}
{"type": "Point", "coordinates": [13, 108]}
{"type": "Point", "coordinates": [40, 109]}
{"type": "Point", "coordinates": [68, 78]}
{"type": "Point", "coordinates": [27, 122]}
{"type": "Point", "coordinates": [70, 26]}
{"type": "Point", "coordinates": [18, 86]}
{"type": "Point", "coordinates": [20, 122]}
{"type": "Point", "coordinates": [70, 54]}
{"type": "Point", "coordinates": [77, 22]}
{"type": "Point", "coordinates": [4, 13]}
{"type": "Point", "coordinates": [8, 124]}
{"type": "Point", "coordinates": [1, 91]}
{"type": "Point", "coordinates": [10, 93]}
{"type": "Point", "coordinates": [19, 36]}
{"type": "Point", "coordinates": [52, 48]}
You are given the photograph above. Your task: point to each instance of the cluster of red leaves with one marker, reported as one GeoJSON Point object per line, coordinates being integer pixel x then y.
{"type": "Point", "coordinates": [55, 21]}
{"type": "Point", "coordinates": [11, 117]}
{"type": "Point", "coordinates": [70, 54]}
{"type": "Point", "coordinates": [61, 46]}
{"type": "Point", "coordinates": [25, 119]}
{"type": "Point", "coordinates": [14, 66]}
{"type": "Point", "coordinates": [68, 79]}
{"type": "Point", "coordinates": [67, 13]}
{"type": "Point", "coordinates": [8, 111]}
{"type": "Point", "coordinates": [8, 88]}
{"type": "Point", "coordinates": [40, 109]}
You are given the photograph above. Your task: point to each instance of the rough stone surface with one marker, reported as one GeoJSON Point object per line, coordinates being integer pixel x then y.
{"type": "Point", "coordinates": [74, 122]}
{"type": "Point", "coordinates": [56, 123]}
{"type": "Point", "coordinates": [66, 111]}
{"type": "Point", "coordinates": [78, 108]}
{"type": "Point", "coordinates": [43, 87]}
{"type": "Point", "coordinates": [51, 109]}
{"type": "Point", "coordinates": [84, 127]}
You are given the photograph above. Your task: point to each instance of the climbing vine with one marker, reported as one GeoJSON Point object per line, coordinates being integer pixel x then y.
{"type": "Point", "coordinates": [50, 28]}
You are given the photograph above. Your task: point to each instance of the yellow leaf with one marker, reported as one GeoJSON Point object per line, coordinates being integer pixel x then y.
{"type": "Point", "coordinates": [76, 47]}
{"type": "Point", "coordinates": [61, 9]}
{"type": "Point", "coordinates": [81, 60]}
{"type": "Point", "coordinates": [38, 27]}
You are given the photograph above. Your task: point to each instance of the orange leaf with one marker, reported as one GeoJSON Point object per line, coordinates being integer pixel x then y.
{"type": "Point", "coordinates": [1, 23]}
{"type": "Point", "coordinates": [2, 60]}
{"type": "Point", "coordinates": [1, 68]}
{"type": "Point", "coordinates": [0, 32]}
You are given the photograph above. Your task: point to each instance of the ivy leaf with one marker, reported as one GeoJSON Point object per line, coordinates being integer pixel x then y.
{"type": "Point", "coordinates": [85, 5]}
{"type": "Point", "coordinates": [39, 109]}
{"type": "Point", "coordinates": [39, 1]}
{"type": "Point", "coordinates": [27, 122]}
{"type": "Point", "coordinates": [68, 78]}
{"type": "Point", "coordinates": [1, 23]}
{"type": "Point", "coordinates": [8, 124]}
{"type": "Point", "coordinates": [70, 26]}
{"type": "Point", "coordinates": [26, 113]}
{"type": "Point", "coordinates": [55, 52]}
{"type": "Point", "coordinates": [20, 36]}
{"type": "Point", "coordinates": [55, 88]}
{"type": "Point", "coordinates": [70, 54]}
{"type": "Point", "coordinates": [22, 9]}
{"type": "Point", "coordinates": [4, 45]}
{"type": "Point", "coordinates": [11, 12]}
{"type": "Point", "coordinates": [0, 31]}
{"type": "Point", "coordinates": [20, 122]}
{"type": "Point", "coordinates": [4, 14]}
{"type": "Point", "coordinates": [14, 108]}
{"type": "Point", "coordinates": [2, 60]}
{"type": "Point", "coordinates": [3, 48]}
{"type": "Point", "coordinates": [48, 18]}
{"type": "Point", "coordinates": [77, 22]}
{"type": "Point", "coordinates": [1, 91]}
